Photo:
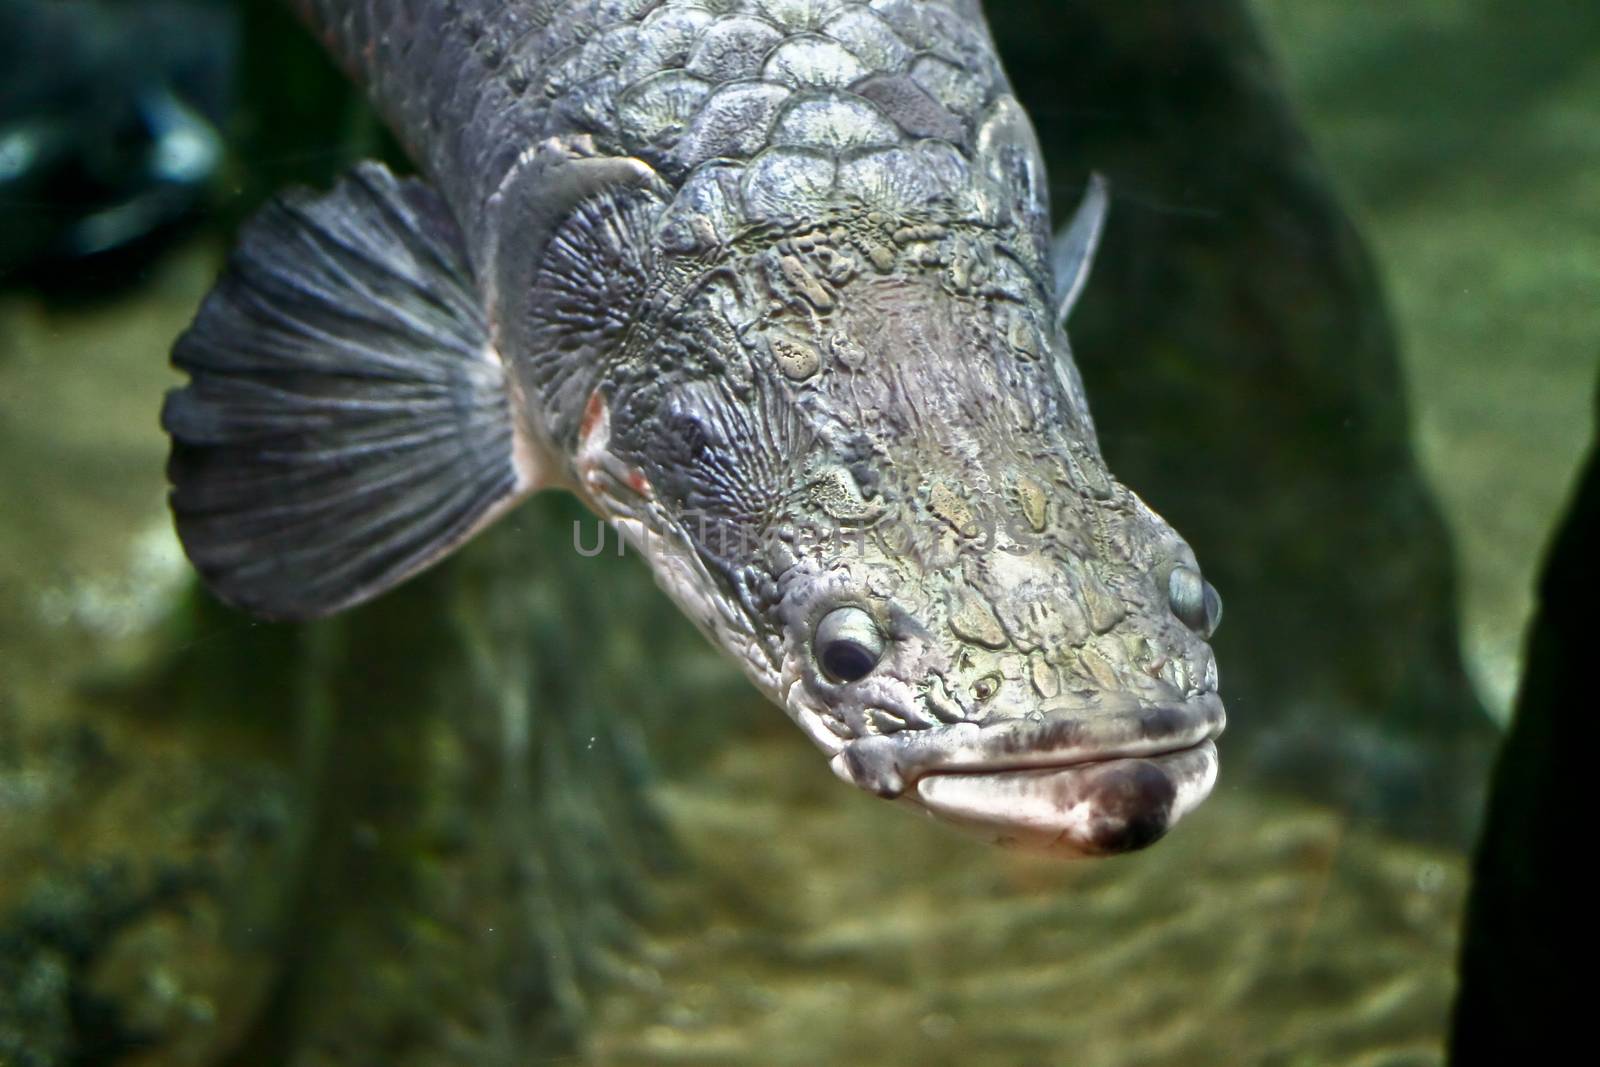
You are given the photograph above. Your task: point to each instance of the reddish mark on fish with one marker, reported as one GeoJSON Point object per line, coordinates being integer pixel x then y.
{"type": "Point", "coordinates": [594, 460]}
{"type": "Point", "coordinates": [593, 412]}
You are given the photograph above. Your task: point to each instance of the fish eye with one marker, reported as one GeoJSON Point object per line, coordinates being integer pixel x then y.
{"type": "Point", "coordinates": [848, 644]}
{"type": "Point", "coordinates": [1195, 602]}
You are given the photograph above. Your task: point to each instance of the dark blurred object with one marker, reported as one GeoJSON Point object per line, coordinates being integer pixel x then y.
{"type": "Point", "coordinates": [1517, 1000]}
{"type": "Point", "coordinates": [109, 117]}
{"type": "Point", "coordinates": [1243, 371]}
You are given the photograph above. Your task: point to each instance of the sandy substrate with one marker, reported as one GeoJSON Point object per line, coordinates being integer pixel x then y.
{"type": "Point", "coordinates": [815, 925]}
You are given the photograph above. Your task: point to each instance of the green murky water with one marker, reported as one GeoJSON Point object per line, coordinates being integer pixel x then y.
{"type": "Point", "coordinates": [577, 837]}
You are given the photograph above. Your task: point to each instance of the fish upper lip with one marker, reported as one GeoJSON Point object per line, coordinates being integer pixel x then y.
{"type": "Point", "coordinates": [891, 764]}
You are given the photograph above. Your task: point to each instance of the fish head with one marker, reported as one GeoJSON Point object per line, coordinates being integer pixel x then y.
{"type": "Point", "coordinates": [945, 588]}
{"type": "Point", "coordinates": [1047, 684]}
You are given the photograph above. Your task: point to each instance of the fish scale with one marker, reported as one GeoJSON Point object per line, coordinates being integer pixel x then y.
{"type": "Point", "coordinates": [646, 78]}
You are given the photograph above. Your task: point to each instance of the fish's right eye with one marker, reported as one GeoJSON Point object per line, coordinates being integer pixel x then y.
{"type": "Point", "coordinates": [848, 644]}
{"type": "Point", "coordinates": [1194, 601]}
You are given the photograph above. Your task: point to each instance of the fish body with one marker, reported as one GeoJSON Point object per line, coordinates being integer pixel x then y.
{"type": "Point", "coordinates": [770, 284]}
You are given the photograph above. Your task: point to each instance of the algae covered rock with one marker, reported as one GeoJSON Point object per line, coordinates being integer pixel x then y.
{"type": "Point", "coordinates": [147, 871]}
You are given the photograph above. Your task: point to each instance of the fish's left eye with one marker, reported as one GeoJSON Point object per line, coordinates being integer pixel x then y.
{"type": "Point", "coordinates": [1195, 602]}
{"type": "Point", "coordinates": [848, 644]}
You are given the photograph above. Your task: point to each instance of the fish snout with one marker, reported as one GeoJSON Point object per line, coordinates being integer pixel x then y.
{"type": "Point", "coordinates": [1078, 781]}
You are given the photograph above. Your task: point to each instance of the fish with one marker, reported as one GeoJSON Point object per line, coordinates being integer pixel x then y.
{"type": "Point", "coordinates": [771, 286]}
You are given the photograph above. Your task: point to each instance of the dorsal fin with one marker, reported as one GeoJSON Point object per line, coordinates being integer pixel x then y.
{"type": "Point", "coordinates": [1073, 254]}
{"type": "Point", "coordinates": [347, 420]}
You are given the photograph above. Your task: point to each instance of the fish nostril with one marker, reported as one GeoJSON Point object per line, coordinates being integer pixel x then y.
{"type": "Point", "coordinates": [944, 707]}
{"type": "Point", "coordinates": [885, 721]}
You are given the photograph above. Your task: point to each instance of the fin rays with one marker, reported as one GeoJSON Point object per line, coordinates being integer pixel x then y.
{"type": "Point", "coordinates": [347, 421]}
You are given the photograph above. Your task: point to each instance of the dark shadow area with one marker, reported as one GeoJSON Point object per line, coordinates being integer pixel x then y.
{"type": "Point", "coordinates": [110, 135]}
{"type": "Point", "coordinates": [1517, 995]}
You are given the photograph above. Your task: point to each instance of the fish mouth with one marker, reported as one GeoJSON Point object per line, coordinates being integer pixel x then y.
{"type": "Point", "coordinates": [1084, 782]}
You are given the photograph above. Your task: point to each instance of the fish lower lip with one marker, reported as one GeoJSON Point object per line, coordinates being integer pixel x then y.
{"type": "Point", "coordinates": [1095, 807]}
{"type": "Point", "coordinates": [1067, 765]}
{"type": "Point", "coordinates": [890, 765]}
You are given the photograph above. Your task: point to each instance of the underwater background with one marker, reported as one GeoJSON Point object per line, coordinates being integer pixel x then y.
{"type": "Point", "coordinates": [1343, 332]}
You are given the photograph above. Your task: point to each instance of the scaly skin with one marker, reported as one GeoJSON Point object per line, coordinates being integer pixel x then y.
{"type": "Point", "coordinates": [803, 351]}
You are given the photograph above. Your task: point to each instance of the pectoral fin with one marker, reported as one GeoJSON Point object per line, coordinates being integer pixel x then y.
{"type": "Point", "coordinates": [1073, 254]}
{"type": "Point", "coordinates": [568, 256]}
{"type": "Point", "coordinates": [347, 420]}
